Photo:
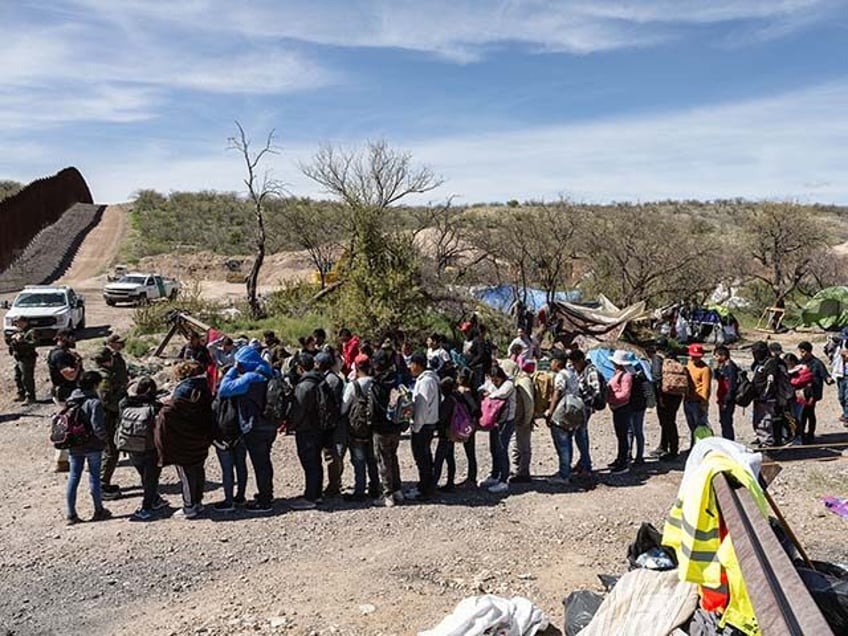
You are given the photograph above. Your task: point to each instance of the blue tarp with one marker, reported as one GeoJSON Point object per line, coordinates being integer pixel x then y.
{"type": "Point", "coordinates": [503, 297]}
{"type": "Point", "coordinates": [601, 358]}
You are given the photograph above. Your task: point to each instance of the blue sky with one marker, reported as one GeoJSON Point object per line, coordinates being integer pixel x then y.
{"type": "Point", "coordinates": [595, 100]}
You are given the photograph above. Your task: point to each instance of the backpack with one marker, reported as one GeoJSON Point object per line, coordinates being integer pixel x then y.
{"type": "Point", "coordinates": [674, 380]}
{"type": "Point", "coordinates": [277, 399]}
{"type": "Point", "coordinates": [570, 413]}
{"type": "Point", "coordinates": [461, 424]}
{"type": "Point", "coordinates": [135, 428]}
{"type": "Point", "coordinates": [543, 391]}
{"type": "Point", "coordinates": [784, 391]}
{"type": "Point", "coordinates": [596, 399]}
{"type": "Point", "coordinates": [69, 429]}
{"type": "Point", "coordinates": [400, 409]}
{"type": "Point", "coordinates": [227, 422]}
{"type": "Point", "coordinates": [491, 413]}
{"type": "Point", "coordinates": [745, 390]}
{"type": "Point", "coordinates": [359, 418]}
{"type": "Point", "coordinates": [329, 409]}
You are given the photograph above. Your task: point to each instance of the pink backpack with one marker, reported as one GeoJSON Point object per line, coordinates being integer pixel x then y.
{"type": "Point", "coordinates": [461, 425]}
{"type": "Point", "coordinates": [491, 413]}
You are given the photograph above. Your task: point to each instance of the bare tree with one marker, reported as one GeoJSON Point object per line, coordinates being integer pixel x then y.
{"type": "Point", "coordinates": [260, 188]}
{"type": "Point", "coordinates": [314, 226]}
{"type": "Point", "coordinates": [785, 241]}
{"type": "Point", "coordinates": [446, 238]}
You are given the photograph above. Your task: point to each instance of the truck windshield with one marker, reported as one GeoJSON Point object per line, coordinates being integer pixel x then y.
{"type": "Point", "coordinates": [134, 280]}
{"type": "Point", "coordinates": [41, 299]}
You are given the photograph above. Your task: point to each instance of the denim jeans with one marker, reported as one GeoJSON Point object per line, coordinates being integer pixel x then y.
{"type": "Point", "coordinates": [309, 453]}
{"type": "Point", "coordinates": [445, 455]}
{"type": "Point", "coordinates": [563, 444]}
{"type": "Point", "coordinates": [621, 424]}
{"type": "Point", "coordinates": [499, 448]}
{"type": "Point", "coordinates": [258, 443]}
{"type": "Point", "coordinates": [422, 451]}
{"type": "Point", "coordinates": [696, 415]}
{"type": "Point", "coordinates": [77, 463]}
{"type": "Point", "coordinates": [725, 418]}
{"type": "Point", "coordinates": [636, 433]}
{"type": "Point", "coordinates": [581, 438]}
{"type": "Point", "coordinates": [147, 465]}
{"type": "Point", "coordinates": [842, 392]}
{"type": "Point", "coordinates": [364, 463]}
{"type": "Point", "coordinates": [233, 462]}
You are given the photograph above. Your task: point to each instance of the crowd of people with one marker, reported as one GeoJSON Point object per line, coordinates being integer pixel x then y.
{"type": "Point", "coordinates": [355, 398]}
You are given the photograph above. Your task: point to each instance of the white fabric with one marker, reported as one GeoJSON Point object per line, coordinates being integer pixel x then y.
{"type": "Point", "coordinates": [489, 614]}
{"type": "Point", "coordinates": [505, 391]}
{"type": "Point", "coordinates": [644, 603]}
{"type": "Point", "coordinates": [425, 400]}
{"type": "Point", "coordinates": [837, 364]}
{"type": "Point", "coordinates": [742, 455]}
{"type": "Point", "coordinates": [567, 381]}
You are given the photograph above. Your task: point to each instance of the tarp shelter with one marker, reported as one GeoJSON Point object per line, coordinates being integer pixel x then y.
{"type": "Point", "coordinates": [714, 325]}
{"type": "Point", "coordinates": [504, 297]}
{"type": "Point", "coordinates": [828, 309]}
{"type": "Point", "coordinates": [601, 358]}
{"type": "Point", "coordinates": [602, 321]}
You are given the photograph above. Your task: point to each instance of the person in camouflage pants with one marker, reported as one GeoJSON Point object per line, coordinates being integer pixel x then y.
{"type": "Point", "coordinates": [22, 347]}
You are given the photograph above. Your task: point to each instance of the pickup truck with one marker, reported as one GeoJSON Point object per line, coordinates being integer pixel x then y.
{"type": "Point", "coordinates": [140, 288]}
{"type": "Point", "coordinates": [47, 309]}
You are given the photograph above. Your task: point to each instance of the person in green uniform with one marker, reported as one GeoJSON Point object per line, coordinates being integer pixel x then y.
{"type": "Point", "coordinates": [22, 347]}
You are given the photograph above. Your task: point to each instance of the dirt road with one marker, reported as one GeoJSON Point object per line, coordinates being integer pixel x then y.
{"type": "Point", "coordinates": [100, 248]}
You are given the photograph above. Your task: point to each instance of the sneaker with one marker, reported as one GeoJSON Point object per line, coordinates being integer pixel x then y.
{"type": "Point", "coordinates": [639, 462]}
{"type": "Point", "coordinates": [72, 521]}
{"type": "Point", "coordinates": [498, 488]}
{"type": "Point", "coordinates": [111, 488]}
{"type": "Point", "coordinates": [446, 488]}
{"type": "Point", "coordinates": [20, 398]}
{"type": "Point", "coordinates": [489, 481]}
{"type": "Point", "coordinates": [656, 453]}
{"type": "Point", "coordinates": [101, 515]}
{"type": "Point", "coordinates": [398, 496]}
{"type": "Point", "coordinates": [332, 492]}
{"type": "Point", "coordinates": [258, 508]}
{"type": "Point", "coordinates": [199, 508]}
{"type": "Point", "coordinates": [389, 502]}
{"type": "Point", "coordinates": [111, 495]}
{"type": "Point", "coordinates": [357, 497]}
{"type": "Point", "coordinates": [160, 503]}
{"type": "Point", "coordinates": [559, 480]}
{"type": "Point", "coordinates": [30, 401]}
{"type": "Point", "coordinates": [239, 501]}
{"type": "Point", "coordinates": [619, 469]}
{"type": "Point", "coordinates": [668, 457]}
{"type": "Point", "coordinates": [520, 479]}
{"type": "Point", "coordinates": [224, 506]}
{"type": "Point", "coordinates": [185, 513]}
{"type": "Point", "coordinates": [141, 515]}
{"type": "Point", "coordinates": [302, 504]}
{"type": "Point", "coordinates": [412, 493]}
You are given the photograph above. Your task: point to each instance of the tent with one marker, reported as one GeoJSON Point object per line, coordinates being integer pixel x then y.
{"type": "Point", "coordinates": [828, 309]}
{"type": "Point", "coordinates": [714, 324]}
{"type": "Point", "coordinates": [601, 321]}
{"type": "Point", "coordinates": [601, 357]}
{"type": "Point", "coordinates": [504, 297]}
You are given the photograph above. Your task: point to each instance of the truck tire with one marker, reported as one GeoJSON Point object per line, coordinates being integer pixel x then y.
{"type": "Point", "coordinates": [110, 302]}
{"type": "Point", "coordinates": [143, 299]}
{"type": "Point", "coordinates": [81, 324]}
{"type": "Point", "coordinates": [173, 294]}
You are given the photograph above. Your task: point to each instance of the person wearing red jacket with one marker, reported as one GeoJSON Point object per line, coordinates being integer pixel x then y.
{"type": "Point", "coordinates": [350, 349]}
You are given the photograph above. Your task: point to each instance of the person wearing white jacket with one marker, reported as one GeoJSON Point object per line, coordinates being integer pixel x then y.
{"type": "Point", "coordinates": [426, 396]}
{"type": "Point", "coordinates": [501, 388]}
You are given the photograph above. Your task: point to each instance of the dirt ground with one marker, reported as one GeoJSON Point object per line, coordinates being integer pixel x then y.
{"type": "Point", "coordinates": [344, 568]}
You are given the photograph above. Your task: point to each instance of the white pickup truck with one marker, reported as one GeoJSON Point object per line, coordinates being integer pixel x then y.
{"type": "Point", "coordinates": [48, 309]}
{"type": "Point", "coordinates": [137, 288]}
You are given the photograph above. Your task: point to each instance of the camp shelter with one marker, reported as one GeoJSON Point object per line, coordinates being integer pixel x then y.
{"type": "Point", "coordinates": [828, 309]}
{"type": "Point", "coordinates": [601, 357]}
{"type": "Point", "coordinates": [601, 321]}
{"type": "Point", "coordinates": [714, 324]}
{"type": "Point", "coordinates": [503, 298]}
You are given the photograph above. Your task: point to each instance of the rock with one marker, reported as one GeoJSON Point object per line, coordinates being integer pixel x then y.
{"type": "Point", "coordinates": [367, 608]}
{"type": "Point", "coordinates": [278, 621]}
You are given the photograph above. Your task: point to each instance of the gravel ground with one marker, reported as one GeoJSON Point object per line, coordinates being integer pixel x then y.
{"type": "Point", "coordinates": [345, 568]}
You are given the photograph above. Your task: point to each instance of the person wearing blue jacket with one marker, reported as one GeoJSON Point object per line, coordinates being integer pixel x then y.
{"type": "Point", "coordinates": [247, 382]}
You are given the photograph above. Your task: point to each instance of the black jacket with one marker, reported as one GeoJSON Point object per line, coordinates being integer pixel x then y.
{"type": "Point", "coordinates": [305, 415]}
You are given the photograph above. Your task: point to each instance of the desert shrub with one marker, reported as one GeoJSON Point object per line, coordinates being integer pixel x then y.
{"type": "Point", "coordinates": [151, 318]}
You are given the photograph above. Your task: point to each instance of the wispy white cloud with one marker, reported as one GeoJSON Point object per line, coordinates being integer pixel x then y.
{"type": "Point", "coordinates": [791, 145]}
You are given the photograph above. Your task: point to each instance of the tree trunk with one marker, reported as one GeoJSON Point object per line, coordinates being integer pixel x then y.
{"type": "Point", "coordinates": [256, 310]}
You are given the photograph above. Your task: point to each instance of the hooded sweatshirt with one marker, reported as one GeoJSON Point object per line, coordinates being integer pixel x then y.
{"type": "Point", "coordinates": [248, 388]}
{"type": "Point", "coordinates": [426, 396]}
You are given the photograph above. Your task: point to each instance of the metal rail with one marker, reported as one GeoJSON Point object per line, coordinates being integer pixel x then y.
{"type": "Point", "coordinates": [781, 601]}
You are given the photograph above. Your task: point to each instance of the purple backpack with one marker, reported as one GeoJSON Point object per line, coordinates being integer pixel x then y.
{"type": "Point", "coordinates": [461, 425]}
{"type": "Point", "coordinates": [491, 413]}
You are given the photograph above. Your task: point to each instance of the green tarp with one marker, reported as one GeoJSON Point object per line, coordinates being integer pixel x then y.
{"type": "Point", "coordinates": [828, 309]}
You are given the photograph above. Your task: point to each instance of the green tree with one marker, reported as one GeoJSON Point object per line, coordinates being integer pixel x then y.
{"type": "Point", "coordinates": [380, 275]}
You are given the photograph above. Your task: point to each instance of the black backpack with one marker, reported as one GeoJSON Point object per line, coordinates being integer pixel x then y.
{"type": "Point", "coordinates": [745, 390]}
{"type": "Point", "coordinates": [359, 418]}
{"type": "Point", "coordinates": [228, 427]}
{"type": "Point", "coordinates": [329, 409]}
{"type": "Point", "coordinates": [278, 399]}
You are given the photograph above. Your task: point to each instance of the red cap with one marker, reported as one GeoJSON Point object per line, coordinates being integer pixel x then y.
{"type": "Point", "coordinates": [696, 350]}
{"type": "Point", "coordinates": [362, 360]}
{"type": "Point", "coordinates": [466, 326]}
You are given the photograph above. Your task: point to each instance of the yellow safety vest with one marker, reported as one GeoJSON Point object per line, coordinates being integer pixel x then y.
{"type": "Point", "coordinates": [692, 530]}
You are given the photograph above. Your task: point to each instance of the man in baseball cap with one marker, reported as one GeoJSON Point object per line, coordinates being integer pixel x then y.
{"type": "Point", "coordinates": [697, 401]}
